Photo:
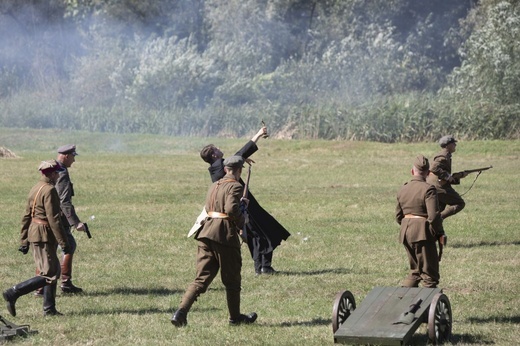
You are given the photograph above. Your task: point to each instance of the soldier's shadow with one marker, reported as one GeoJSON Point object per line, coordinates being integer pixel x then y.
{"type": "Point", "coordinates": [129, 291]}
{"type": "Point", "coordinates": [314, 322]}
{"type": "Point", "coordinates": [483, 243]}
{"type": "Point", "coordinates": [314, 272]}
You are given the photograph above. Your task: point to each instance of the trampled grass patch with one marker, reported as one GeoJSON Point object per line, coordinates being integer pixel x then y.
{"type": "Point", "coordinates": [337, 199]}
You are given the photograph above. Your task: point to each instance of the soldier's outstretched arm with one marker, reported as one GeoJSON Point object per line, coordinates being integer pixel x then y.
{"type": "Point", "coordinates": [261, 133]}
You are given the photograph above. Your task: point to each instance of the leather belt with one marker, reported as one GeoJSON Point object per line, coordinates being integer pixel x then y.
{"type": "Point", "coordinates": [40, 221]}
{"type": "Point", "coordinates": [411, 216]}
{"type": "Point", "coordinates": [217, 215]}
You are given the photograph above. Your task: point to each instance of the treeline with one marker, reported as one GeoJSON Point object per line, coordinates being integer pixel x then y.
{"type": "Point", "coordinates": [382, 70]}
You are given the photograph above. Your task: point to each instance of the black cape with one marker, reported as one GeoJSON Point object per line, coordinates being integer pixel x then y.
{"type": "Point", "coordinates": [261, 225]}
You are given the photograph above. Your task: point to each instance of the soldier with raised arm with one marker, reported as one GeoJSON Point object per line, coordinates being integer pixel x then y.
{"type": "Point", "coordinates": [265, 233]}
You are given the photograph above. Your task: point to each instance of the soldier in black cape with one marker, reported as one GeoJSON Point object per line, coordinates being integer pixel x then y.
{"type": "Point", "coordinates": [264, 232]}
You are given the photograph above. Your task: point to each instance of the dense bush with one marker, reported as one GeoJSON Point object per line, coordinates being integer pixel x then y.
{"type": "Point", "coordinates": [491, 67]}
{"type": "Point", "coordinates": [397, 70]}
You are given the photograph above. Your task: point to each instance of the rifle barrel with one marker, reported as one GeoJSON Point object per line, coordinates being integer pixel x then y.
{"type": "Point", "coordinates": [478, 169]}
{"type": "Point", "coordinates": [246, 186]}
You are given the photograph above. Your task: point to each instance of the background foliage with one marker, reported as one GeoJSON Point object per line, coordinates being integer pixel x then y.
{"type": "Point", "coordinates": [378, 70]}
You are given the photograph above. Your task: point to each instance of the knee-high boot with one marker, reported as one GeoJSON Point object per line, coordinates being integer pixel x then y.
{"type": "Point", "coordinates": [235, 317]}
{"type": "Point", "coordinates": [233, 303]}
{"type": "Point", "coordinates": [12, 294]}
{"type": "Point", "coordinates": [49, 300]}
{"type": "Point", "coordinates": [66, 276]}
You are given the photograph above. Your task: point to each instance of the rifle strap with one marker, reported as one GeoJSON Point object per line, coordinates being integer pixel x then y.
{"type": "Point", "coordinates": [214, 192]}
{"type": "Point", "coordinates": [473, 183]}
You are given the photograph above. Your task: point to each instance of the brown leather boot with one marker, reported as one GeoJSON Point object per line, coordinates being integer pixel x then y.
{"type": "Point", "coordinates": [39, 292]}
{"type": "Point", "coordinates": [66, 275]}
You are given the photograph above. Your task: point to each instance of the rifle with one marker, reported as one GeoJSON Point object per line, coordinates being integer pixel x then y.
{"type": "Point", "coordinates": [459, 175]}
{"type": "Point", "coordinates": [244, 206]}
{"type": "Point", "coordinates": [87, 230]}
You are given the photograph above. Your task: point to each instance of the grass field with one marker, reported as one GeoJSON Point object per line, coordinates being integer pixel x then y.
{"type": "Point", "coordinates": [337, 198]}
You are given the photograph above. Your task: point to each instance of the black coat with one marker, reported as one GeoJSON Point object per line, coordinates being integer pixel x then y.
{"type": "Point", "coordinates": [261, 224]}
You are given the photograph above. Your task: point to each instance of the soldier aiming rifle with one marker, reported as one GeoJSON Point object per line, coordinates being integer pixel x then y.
{"type": "Point", "coordinates": [450, 201]}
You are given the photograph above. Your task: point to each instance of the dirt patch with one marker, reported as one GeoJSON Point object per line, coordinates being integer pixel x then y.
{"type": "Point", "coordinates": [7, 154]}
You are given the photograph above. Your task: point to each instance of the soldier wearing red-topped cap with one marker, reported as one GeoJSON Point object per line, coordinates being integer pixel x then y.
{"type": "Point", "coordinates": [43, 231]}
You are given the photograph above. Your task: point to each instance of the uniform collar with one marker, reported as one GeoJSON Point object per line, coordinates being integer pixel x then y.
{"type": "Point", "coordinates": [418, 178]}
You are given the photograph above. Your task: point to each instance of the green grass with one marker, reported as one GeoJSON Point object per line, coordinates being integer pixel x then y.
{"type": "Point", "coordinates": [335, 197]}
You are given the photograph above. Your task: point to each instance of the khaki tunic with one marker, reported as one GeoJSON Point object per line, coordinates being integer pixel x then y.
{"type": "Point", "coordinates": [43, 204]}
{"type": "Point", "coordinates": [450, 201]}
{"type": "Point", "coordinates": [440, 167]}
{"type": "Point", "coordinates": [224, 197]}
{"type": "Point", "coordinates": [219, 245]}
{"type": "Point", "coordinates": [419, 235]}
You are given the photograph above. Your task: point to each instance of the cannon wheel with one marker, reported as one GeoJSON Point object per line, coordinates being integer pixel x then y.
{"type": "Point", "coordinates": [439, 319]}
{"type": "Point", "coordinates": [344, 304]}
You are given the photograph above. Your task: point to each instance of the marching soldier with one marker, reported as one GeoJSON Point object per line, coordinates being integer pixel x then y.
{"type": "Point", "coordinates": [450, 201]}
{"type": "Point", "coordinates": [219, 246]}
{"type": "Point", "coordinates": [42, 228]}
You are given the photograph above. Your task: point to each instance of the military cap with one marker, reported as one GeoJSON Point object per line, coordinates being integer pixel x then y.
{"type": "Point", "coordinates": [234, 161]}
{"type": "Point", "coordinates": [421, 163]}
{"type": "Point", "coordinates": [49, 166]}
{"type": "Point", "coordinates": [67, 149]}
{"type": "Point", "coordinates": [445, 140]}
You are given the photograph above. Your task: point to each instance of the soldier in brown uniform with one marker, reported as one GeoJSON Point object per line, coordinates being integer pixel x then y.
{"type": "Point", "coordinates": [219, 245]}
{"type": "Point", "coordinates": [42, 228]}
{"type": "Point", "coordinates": [418, 213]}
{"type": "Point", "coordinates": [66, 157]}
{"type": "Point", "coordinates": [450, 201]}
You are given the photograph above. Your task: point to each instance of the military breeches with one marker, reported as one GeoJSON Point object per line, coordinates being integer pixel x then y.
{"type": "Point", "coordinates": [211, 257]}
{"type": "Point", "coordinates": [450, 202]}
{"type": "Point", "coordinates": [46, 260]}
{"type": "Point", "coordinates": [424, 264]}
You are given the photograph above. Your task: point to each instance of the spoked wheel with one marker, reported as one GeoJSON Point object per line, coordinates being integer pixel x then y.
{"type": "Point", "coordinates": [439, 319]}
{"type": "Point", "coordinates": [344, 304]}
